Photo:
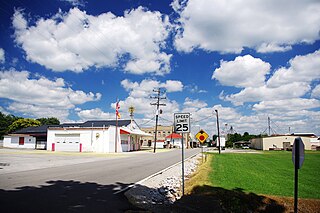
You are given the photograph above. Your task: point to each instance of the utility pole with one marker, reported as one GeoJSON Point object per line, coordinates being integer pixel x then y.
{"type": "Point", "coordinates": [269, 126]}
{"type": "Point", "coordinates": [218, 130]}
{"type": "Point", "coordinates": [158, 98]}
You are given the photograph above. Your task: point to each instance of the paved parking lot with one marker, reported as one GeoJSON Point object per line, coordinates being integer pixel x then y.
{"type": "Point", "coordinates": [17, 160]}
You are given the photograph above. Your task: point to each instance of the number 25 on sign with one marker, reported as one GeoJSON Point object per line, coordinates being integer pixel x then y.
{"type": "Point", "coordinates": [182, 122]}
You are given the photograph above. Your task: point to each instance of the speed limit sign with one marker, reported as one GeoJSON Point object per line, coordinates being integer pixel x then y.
{"type": "Point", "coordinates": [182, 122]}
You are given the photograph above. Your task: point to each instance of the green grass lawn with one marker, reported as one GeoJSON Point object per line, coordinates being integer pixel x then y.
{"type": "Point", "coordinates": [270, 173]}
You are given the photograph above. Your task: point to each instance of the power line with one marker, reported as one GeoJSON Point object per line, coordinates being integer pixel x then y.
{"type": "Point", "coordinates": [166, 120]}
{"type": "Point", "coordinates": [203, 119]}
{"type": "Point", "coordinates": [151, 119]}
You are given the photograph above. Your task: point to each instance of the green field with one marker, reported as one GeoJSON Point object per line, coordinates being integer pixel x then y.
{"type": "Point", "coordinates": [269, 173]}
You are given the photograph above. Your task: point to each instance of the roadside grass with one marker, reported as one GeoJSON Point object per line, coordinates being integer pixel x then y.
{"type": "Point", "coordinates": [251, 183]}
{"type": "Point", "coordinates": [270, 173]}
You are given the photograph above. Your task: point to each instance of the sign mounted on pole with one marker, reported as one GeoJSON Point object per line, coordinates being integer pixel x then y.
{"type": "Point", "coordinates": [182, 122]}
{"type": "Point", "coordinates": [297, 159]}
{"type": "Point", "coordinates": [298, 152]}
{"type": "Point", "coordinates": [202, 136]}
{"type": "Point", "coordinates": [182, 125]}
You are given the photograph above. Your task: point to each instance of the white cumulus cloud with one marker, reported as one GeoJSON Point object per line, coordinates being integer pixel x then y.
{"type": "Point", "coordinates": [316, 92]}
{"type": "Point", "coordinates": [139, 94]}
{"type": "Point", "coordinates": [249, 73]}
{"type": "Point", "coordinates": [95, 114]}
{"type": "Point", "coordinates": [244, 71]}
{"type": "Point", "coordinates": [231, 25]}
{"type": "Point", "coordinates": [305, 68]}
{"type": "Point", "coordinates": [76, 41]}
{"type": "Point", "coordinates": [40, 96]}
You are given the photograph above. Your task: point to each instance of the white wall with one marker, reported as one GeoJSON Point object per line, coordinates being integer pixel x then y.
{"type": "Point", "coordinates": [277, 141]}
{"type": "Point", "coordinates": [96, 140]}
{"type": "Point", "coordinates": [176, 142]}
{"type": "Point", "coordinates": [159, 145]}
{"type": "Point", "coordinates": [13, 142]}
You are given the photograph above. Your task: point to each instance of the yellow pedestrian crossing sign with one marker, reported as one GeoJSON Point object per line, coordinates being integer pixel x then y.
{"type": "Point", "coordinates": [202, 136]}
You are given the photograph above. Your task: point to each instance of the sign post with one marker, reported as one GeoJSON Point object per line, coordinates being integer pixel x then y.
{"type": "Point", "coordinates": [297, 159]}
{"type": "Point", "coordinates": [202, 137]}
{"type": "Point", "coordinates": [182, 125]}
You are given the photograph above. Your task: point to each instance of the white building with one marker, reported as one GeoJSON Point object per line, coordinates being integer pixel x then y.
{"type": "Point", "coordinates": [174, 140]}
{"type": "Point", "coordinates": [279, 142]}
{"type": "Point", "coordinates": [96, 136]}
{"type": "Point", "coordinates": [91, 136]}
{"type": "Point", "coordinates": [28, 138]}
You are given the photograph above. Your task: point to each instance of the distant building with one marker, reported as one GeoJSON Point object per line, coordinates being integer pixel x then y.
{"type": "Point", "coordinates": [162, 133]}
{"type": "Point", "coordinates": [280, 142]}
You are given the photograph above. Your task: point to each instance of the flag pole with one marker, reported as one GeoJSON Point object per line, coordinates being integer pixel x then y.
{"type": "Point", "coordinates": [116, 137]}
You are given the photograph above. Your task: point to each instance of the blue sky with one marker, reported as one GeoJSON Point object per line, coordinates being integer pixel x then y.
{"type": "Point", "coordinates": [72, 59]}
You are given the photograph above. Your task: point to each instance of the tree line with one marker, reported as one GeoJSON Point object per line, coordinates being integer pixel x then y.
{"type": "Point", "coordinates": [231, 138]}
{"type": "Point", "coordinates": [238, 137]}
{"type": "Point", "coordinates": [11, 123]}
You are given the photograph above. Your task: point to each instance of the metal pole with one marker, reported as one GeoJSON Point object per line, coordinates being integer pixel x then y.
{"type": "Point", "coordinates": [116, 137]}
{"type": "Point", "coordinates": [296, 167]}
{"type": "Point", "coordinates": [218, 131]}
{"type": "Point", "coordinates": [182, 163]}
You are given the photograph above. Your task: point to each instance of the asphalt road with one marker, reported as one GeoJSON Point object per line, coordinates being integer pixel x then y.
{"type": "Point", "coordinates": [81, 187]}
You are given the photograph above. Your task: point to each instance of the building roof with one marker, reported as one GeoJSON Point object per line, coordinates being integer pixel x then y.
{"type": "Point", "coordinates": [174, 135]}
{"type": "Point", "coordinates": [307, 134]}
{"type": "Point", "coordinates": [105, 123]}
{"type": "Point", "coordinates": [94, 123]}
{"type": "Point", "coordinates": [34, 129]}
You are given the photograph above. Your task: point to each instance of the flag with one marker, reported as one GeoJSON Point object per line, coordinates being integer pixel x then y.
{"type": "Point", "coordinates": [117, 110]}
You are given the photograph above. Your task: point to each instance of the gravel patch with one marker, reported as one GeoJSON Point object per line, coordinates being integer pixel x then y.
{"type": "Point", "coordinates": [158, 192]}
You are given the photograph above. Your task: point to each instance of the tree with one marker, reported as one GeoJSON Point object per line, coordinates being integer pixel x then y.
{"type": "Point", "coordinates": [49, 121]}
{"type": "Point", "coordinates": [5, 122]}
{"type": "Point", "coordinates": [22, 123]}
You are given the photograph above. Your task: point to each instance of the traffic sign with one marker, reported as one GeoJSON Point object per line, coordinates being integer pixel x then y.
{"type": "Point", "coordinates": [298, 152]}
{"type": "Point", "coordinates": [181, 122]}
{"type": "Point", "coordinates": [297, 159]}
{"type": "Point", "coordinates": [202, 136]}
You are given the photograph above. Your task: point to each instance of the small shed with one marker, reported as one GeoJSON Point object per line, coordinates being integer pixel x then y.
{"type": "Point", "coordinates": [174, 140]}
{"type": "Point", "coordinates": [33, 137]}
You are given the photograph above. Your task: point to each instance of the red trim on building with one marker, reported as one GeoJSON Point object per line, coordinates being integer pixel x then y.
{"type": "Point", "coordinates": [174, 135]}
{"type": "Point", "coordinates": [123, 132]}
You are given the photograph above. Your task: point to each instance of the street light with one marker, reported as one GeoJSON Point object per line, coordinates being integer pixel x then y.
{"type": "Point", "coordinates": [218, 130]}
